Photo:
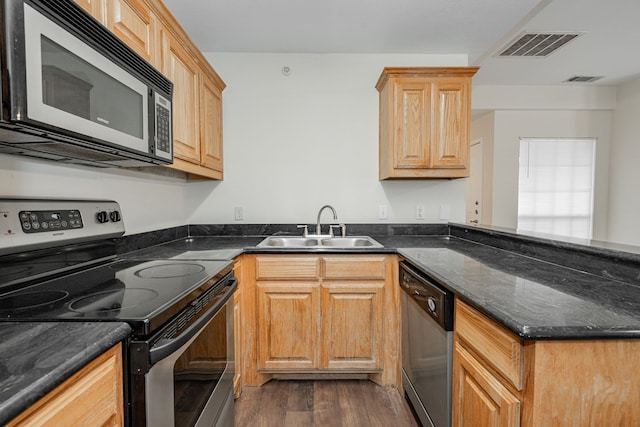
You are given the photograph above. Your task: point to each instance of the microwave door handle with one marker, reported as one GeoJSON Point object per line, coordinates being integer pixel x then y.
{"type": "Point", "coordinates": [167, 347]}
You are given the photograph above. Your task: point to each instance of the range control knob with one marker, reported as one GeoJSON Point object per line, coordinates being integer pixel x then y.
{"type": "Point", "coordinates": [432, 304]}
{"type": "Point", "coordinates": [114, 216]}
{"type": "Point", "coordinates": [102, 217]}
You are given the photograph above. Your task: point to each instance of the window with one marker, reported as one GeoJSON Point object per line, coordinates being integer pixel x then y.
{"type": "Point", "coordinates": [555, 192]}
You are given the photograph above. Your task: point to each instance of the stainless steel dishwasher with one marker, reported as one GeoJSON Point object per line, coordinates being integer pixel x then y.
{"type": "Point", "coordinates": [427, 346]}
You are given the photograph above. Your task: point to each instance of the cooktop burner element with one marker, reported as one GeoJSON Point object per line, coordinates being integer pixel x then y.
{"type": "Point", "coordinates": [26, 300]}
{"type": "Point", "coordinates": [143, 293]}
{"type": "Point", "coordinates": [170, 270]}
{"type": "Point", "coordinates": [117, 300]}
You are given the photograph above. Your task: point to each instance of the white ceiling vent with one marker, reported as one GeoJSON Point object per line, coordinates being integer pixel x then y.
{"type": "Point", "coordinates": [582, 79]}
{"type": "Point", "coordinates": [537, 44]}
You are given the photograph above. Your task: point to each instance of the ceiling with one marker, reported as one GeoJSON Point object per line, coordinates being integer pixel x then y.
{"type": "Point", "coordinates": [610, 31]}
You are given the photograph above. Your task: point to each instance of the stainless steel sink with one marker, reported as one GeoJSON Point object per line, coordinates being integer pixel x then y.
{"type": "Point", "coordinates": [353, 242]}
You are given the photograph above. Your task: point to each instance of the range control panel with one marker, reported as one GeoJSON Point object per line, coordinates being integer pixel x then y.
{"type": "Point", "coordinates": [43, 221]}
{"type": "Point", "coordinates": [27, 224]}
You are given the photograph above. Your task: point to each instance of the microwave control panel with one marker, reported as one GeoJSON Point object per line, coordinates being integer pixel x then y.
{"type": "Point", "coordinates": [163, 136]}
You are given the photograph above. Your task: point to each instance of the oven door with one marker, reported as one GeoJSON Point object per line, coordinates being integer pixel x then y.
{"type": "Point", "coordinates": [190, 381]}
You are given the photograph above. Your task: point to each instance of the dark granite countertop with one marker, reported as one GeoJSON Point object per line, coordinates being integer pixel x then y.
{"type": "Point", "coordinates": [535, 299]}
{"type": "Point", "coordinates": [37, 357]}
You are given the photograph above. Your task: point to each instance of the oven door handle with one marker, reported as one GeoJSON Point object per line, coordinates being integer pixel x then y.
{"type": "Point", "coordinates": [167, 347]}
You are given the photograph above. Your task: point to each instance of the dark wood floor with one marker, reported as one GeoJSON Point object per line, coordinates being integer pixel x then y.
{"type": "Point", "coordinates": [346, 403]}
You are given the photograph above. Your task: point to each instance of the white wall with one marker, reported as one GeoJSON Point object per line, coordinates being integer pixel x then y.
{"type": "Point", "coordinates": [511, 125]}
{"type": "Point", "coordinates": [148, 201]}
{"type": "Point", "coordinates": [624, 201]}
{"type": "Point", "coordinates": [293, 144]}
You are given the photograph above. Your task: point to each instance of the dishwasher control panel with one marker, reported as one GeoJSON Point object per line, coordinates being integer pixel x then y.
{"type": "Point", "coordinates": [433, 299]}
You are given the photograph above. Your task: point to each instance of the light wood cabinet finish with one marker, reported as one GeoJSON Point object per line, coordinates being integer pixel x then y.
{"type": "Point", "coordinates": [91, 397]}
{"type": "Point", "coordinates": [352, 325]}
{"type": "Point", "coordinates": [480, 398]}
{"type": "Point", "coordinates": [133, 22]}
{"type": "Point", "coordinates": [322, 315]}
{"type": "Point", "coordinates": [210, 124]}
{"type": "Point", "coordinates": [486, 337]}
{"type": "Point", "coordinates": [148, 28]}
{"type": "Point", "coordinates": [95, 8]}
{"type": "Point", "coordinates": [562, 383]}
{"type": "Point", "coordinates": [180, 67]}
{"type": "Point", "coordinates": [425, 118]}
{"type": "Point", "coordinates": [288, 326]}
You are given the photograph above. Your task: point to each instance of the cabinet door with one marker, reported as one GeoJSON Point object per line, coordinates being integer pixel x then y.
{"type": "Point", "coordinates": [182, 70]}
{"type": "Point", "coordinates": [210, 123]}
{"type": "Point", "coordinates": [352, 326]}
{"type": "Point", "coordinates": [412, 124]}
{"type": "Point", "coordinates": [91, 397]}
{"type": "Point", "coordinates": [132, 22]}
{"type": "Point", "coordinates": [451, 105]}
{"type": "Point", "coordinates": [479, 398]}
{"type": "Point", "coordinates": [94, 7]}
{"type": "Point", "coordinates": [288, 325]}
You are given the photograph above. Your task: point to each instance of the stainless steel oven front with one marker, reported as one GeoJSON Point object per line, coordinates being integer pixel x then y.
{"type": "Point", "coordinates": [183, 375]}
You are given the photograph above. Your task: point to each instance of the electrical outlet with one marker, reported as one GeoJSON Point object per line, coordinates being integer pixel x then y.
{"type": "Point", "coordinates": [382, 212]}
{"type": "Point", "coordinates": [238, 214]}
{"type": "Point", "coordinates": [419, 212]}
{"type": "Point", "coordinates": [445, 212]}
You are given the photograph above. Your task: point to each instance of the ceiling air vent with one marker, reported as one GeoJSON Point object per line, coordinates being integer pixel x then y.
{"type": "Point", "coordinates": [582, 79]}
{"type": "Point", "coordinates": [537, 44]}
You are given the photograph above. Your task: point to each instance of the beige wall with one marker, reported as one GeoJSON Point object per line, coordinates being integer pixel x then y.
{"type": "Point", "coordinates": [624, 181]}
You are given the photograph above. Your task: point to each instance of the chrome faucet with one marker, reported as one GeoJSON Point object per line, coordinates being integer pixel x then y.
{"type": "Point", "coordinates": [335, 216]}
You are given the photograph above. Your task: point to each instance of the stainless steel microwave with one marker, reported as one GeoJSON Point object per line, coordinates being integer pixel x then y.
{"type": "Point", "coordinates": [73, 92]}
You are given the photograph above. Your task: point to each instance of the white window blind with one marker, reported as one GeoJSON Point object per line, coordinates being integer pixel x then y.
{"type": "Point", "coordinates": [555, 192]}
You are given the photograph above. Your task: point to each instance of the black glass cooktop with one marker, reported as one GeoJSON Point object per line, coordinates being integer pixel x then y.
{"type": "Point", "coordinates": [143, 293]}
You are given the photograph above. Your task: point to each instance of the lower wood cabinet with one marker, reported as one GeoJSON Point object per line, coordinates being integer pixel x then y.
{"type": "Point", "coordinates": [329, 314]}
{"type": "Point", "coordinates": [501, 380]}
{"type": "Point", "coordinates": [91, 397]}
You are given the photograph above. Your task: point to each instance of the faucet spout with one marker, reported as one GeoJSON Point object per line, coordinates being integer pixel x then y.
{"type": "Point", "coordinates": [335, 216]}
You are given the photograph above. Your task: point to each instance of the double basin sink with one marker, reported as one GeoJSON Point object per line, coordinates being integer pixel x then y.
{"type": "Point", "coordinates": [319, 242]}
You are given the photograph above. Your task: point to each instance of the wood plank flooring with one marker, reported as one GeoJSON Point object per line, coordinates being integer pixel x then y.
{"type": "Point", "coordinates": [334, 403]}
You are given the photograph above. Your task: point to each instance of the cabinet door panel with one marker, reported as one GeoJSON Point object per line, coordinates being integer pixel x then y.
{"type": "Point", "coordinates": [288, 316]}
{"type": "Point", "coordinates": [210, 124]}
{"type": "Point", "coordinates": [131, 21]}
{"type": "Point", "coordinates": [352, 326]}
{"type": "Point", "coordinates": [413, 123]}
{"type": "Point", "coordinates": [480, 400]}
{"type": "Point", "coordinates": [94, 7]}
{"type": "Point", "coordinates": [181, 69]}
{"type": "Point", "coordinates": [450, 136]}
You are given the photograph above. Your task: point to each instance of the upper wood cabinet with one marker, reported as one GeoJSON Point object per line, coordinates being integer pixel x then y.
{"type": "Point", "coordinates": [133, 22]}
{"type": "Point", "coordinates": [181, 68]}
{"type": "Point", "coordinates": [425, 122]}
{"type": "Point", "coordinates": [94, 7]}
{"type": "Point", "coordinates": [148, 28]}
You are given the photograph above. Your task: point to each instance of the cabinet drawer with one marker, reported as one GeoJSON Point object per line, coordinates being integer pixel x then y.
{"type": "Point", "coordinates": [498, 347]}
{"type": "Point", "coordinates": [354, 267]}
{"type": "Point", "coordinates": [287, 267]}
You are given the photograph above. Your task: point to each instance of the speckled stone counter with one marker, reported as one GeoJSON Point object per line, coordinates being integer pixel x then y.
{"type": "Point", "coordinates": [500, 275]}
{"type": "Point", "coordinates": [37, 357]}
{"type": "Point", "coordinates": [534, 299]}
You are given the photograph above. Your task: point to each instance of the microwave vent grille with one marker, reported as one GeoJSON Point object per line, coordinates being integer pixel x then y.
{"type": "Point", "coordinates": [87, 28]}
